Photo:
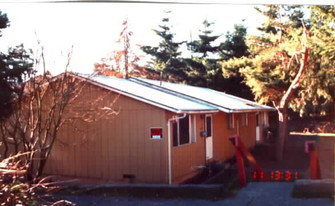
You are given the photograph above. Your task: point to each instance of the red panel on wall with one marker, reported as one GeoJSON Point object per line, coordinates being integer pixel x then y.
{"type": "Point", "coordinates": [156, 133]}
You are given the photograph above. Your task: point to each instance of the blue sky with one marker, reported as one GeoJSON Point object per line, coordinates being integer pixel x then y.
{"type": "Point", "coordinates": [93, 28]}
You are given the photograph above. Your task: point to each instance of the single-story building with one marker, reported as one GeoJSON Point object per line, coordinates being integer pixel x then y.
{"type": "Point", "coordinates": [163, 132]}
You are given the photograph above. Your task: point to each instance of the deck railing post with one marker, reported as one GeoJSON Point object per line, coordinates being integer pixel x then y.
{"type": "Point", "coordinates": [314, 165]}
{"type": "Point", "coordinates": [241, 153]}
{"type": "Point", "coordinates": [241, 169]}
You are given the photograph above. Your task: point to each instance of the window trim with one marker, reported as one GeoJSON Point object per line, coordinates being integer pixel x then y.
{"type": "Point", "coordinates": [231, 121]}
{"type": "Point", "coordinates": [245, 120]}
{"type": "Point", "coordinates": [193, 131]}
{"type": "Point", "coordinates": [211, 117]}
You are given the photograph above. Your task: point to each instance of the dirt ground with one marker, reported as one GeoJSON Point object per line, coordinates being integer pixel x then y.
{"type": "Point", "coordinates": [294, 158]}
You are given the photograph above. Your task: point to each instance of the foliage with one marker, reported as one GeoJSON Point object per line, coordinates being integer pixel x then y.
{"type": "Point", "coordinates": [235, 44]}
{"type": "Point", "coordinates": [14, 66]}
{"type": "Point", "coordinates": [202, 67]}
{"type": "Point", "coordinates": [320, 79]}
{"type": "Point", "coordinates": [15, 189]}
{"type": "Point", "coordinates": [232, 48]}
{"type": "Point", "coordinates": [122, 62]}
{"type": "Point", "coordinates": [203, 46]}
{"type": "Point", "coordinates": [266, 70]}
{"type": "Point", "coordinates": [166, 56]}
{"type": "Point", "coordinates": [291, 64]}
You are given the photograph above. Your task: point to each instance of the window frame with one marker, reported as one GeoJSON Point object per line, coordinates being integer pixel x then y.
{"type": "Point", "coordinates": [206, 125]}
{"type": "Point", "coordinates": [191, 131]}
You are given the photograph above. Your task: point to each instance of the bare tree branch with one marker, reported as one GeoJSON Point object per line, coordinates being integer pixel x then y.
{"type": "Point", "coordinates": [46, 103]}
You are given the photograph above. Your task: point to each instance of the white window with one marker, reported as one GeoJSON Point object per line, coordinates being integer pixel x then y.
{"type": "Point", "coordinates": [244, 119]}
{"type": "Point", "coordinates": [183, 131]}
{"type": "Point", "coordinates": [231, 121]}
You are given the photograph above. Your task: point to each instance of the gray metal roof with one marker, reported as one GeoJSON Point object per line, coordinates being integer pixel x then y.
{"type": "Point", "coordinates": [165, 100]}
{"type": "Point", "coordinates": [224, 102]}
{"type": "Point", "coordinates": [179, 98]}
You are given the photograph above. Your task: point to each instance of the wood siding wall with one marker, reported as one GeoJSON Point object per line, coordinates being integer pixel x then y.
{"type": "Point", "coordinates": [223, 149]}
{"type": "Point", "coordinates": [187, 158]}
{"type": "Point", "coordinates": [110, 148]}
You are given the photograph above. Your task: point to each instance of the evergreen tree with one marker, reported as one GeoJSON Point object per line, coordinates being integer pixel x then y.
{"type": "Point", "coordinates": [202, 67]}
{"type": "Point", "coordinates": [166, 56]}
{"type": "Point", "coordinates": [235, 46]}
{"type": "Point", "coordinates": [14, 65]}
{"type": "Point", "coordinates": [320, 78]}
{"type": "Point", "coordinates": [276, 66]}
{"type": "Point", "coordinates": [291, 65]}
{"type": "Point", "coordinates": [203, 47]}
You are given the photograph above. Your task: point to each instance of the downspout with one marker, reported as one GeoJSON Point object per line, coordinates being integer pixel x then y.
{"type": "Point", "coordinates": [237, 126]}
{"type": "Point", "coordinates": [169, 145]}
{"type": "Point", "coordinates": [205, 141]}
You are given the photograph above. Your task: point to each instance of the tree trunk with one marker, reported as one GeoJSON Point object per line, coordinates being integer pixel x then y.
{"type": "Point", "coordinates": [282, 108]}
{"type": "Point", "coordinates": [4, 141]}
{"type": "Point", "coordinates": [30, 168]}
{"type": "Point", "coordinates": [282, 137]}
{"type": "Point", "coordinates": [43, 160]}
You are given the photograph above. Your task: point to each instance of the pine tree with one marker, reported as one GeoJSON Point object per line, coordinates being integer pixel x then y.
{"type": "Point", "coordinates": [203, 47]}
{"type": "Point", "coordinates": [235, 44]}
{"type": "Point", "coordinates": [320, 79]}
{"type": "Point", "coordinates": [14, 65]}
{"type": "Point", "coordinates": [203, 65]}
{"type": "Point", "coordinates": [166, 56]}
{"type": "Point", "coordinates": [233, 47]}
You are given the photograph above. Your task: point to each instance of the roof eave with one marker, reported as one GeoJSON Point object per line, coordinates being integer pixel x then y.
{"type": "Point", "coordinates": [171, 109]}
{"type": "Point", "coordinates": [198, 111]}
{"type": "Point", "coordinates": [217, 108]}
{"type": "Point", "coordinates": [252, 110]}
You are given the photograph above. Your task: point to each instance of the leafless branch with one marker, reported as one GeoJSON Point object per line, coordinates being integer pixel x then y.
{"type": "Point", "coordinates": [42, 110]}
